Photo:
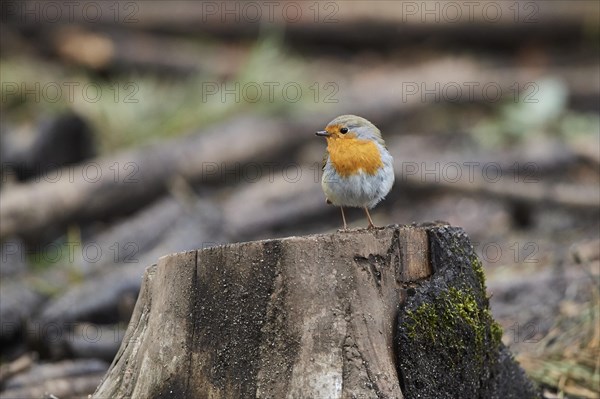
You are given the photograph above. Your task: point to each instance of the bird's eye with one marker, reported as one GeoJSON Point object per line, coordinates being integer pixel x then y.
{"type": "Point", "coordinates": [344, 130]}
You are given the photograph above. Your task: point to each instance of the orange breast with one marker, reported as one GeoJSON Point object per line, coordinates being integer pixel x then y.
{"type": "Point", "coordinates": [349, 155]}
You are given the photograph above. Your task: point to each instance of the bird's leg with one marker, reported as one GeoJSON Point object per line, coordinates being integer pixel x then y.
{"type": "Point", "coordinates": [344, 218]}
{"type": "Point", "coordinates": [371, 225]}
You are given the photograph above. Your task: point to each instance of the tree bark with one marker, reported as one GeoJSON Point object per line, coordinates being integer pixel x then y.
{"type": "Point", "coordinates": [300, 317]}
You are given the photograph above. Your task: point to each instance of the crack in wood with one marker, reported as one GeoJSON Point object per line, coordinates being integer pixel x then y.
{"type": "Point", "coordinates": [372, 265]}
{"type": "Point", "coordinates": [194, 322]}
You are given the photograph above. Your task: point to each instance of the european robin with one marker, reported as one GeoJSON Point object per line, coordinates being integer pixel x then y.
{"type": "Point", "coordinates": [358, 170]}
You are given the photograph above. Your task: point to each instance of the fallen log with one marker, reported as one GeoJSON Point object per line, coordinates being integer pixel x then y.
{"type": "Point", "coordinates": [332, 315]}
{"type": "Point", "coordinates": [66, 379]}
{"type": "Point", "coordinates": [20, 364]}
{"type": "Point", "coordinates": [124, 183]}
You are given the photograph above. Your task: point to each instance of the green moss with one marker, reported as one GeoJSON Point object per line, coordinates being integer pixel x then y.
{"type": "Point", "coordinates": [478, 269]}
{"type": "Point", "coordinates": [496, 331]}
{"type": "Point", "coordinates": [457, 324]}
{"type": "Point", "coordinates": [455, 321]}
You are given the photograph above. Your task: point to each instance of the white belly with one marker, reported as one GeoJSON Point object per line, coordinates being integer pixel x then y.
{"type": "Point", "coordinates": [358, 190]}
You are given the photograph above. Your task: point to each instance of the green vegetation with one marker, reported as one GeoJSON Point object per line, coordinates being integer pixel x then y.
{"type": "Point", "coordinates": [133, 109]}
{"type": "Point", "coordinates": [535, 109]}
{"type": "Point", "coordinates": [567, 358]}
{"type": "Point", "coordinates": [455, 310]}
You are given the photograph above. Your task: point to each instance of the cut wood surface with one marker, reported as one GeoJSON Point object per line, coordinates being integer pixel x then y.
{"type": "Point", "coordinates": [310, 317]}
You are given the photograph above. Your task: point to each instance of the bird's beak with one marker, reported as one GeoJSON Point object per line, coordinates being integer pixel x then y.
{"type": "Point", "coordinates": [323, 133]}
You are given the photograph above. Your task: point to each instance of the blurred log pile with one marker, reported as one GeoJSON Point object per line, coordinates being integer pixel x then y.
{"type": "Point", "coordinates": [255, 175]}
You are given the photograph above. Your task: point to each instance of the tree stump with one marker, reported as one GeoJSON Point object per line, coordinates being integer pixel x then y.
{"type": "Point", "coordinates": [398, 312]}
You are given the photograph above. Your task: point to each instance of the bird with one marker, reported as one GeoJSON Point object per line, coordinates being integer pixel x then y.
{"type": "Point", "coordinates": [358, 169]}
